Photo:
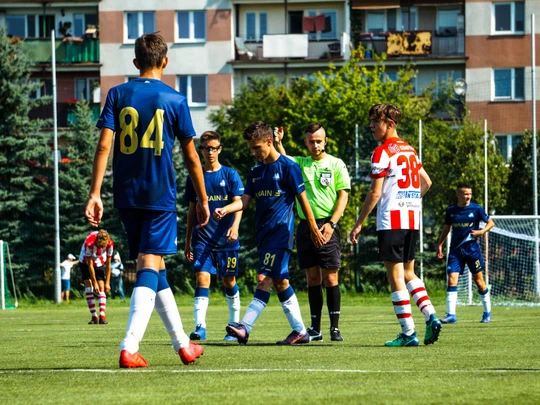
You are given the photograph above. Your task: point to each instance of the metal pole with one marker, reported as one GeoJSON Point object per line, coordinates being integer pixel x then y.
{"type": "Point", "coordinates": [2, 275]}
{"type": "Point", "coordinates": [356, 181]}
{"type": "Point", "coordinates": [57, 282]}
{"type": "Point", "coordinates": [422, 211]}
{"type": "Point", "coordinates": [534, 154]}
{"type": "Point", "coordinates": [486, 202]}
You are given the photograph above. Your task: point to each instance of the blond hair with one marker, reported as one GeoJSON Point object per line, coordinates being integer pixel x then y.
{"type": "Point", "coordinates": [102, 238]}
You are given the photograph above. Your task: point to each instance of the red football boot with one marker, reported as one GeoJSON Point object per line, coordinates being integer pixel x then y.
{"type": "Point", "coordinates": [191, 353]}
{"type": "Point", "coordinates": [128, 360]}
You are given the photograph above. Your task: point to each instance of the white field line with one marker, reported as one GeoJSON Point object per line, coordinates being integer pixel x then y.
{"type": "Point", "coordinates": [270, 370]}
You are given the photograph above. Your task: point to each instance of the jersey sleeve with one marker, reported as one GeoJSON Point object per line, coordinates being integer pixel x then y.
{"type": "Point", "coordinates": [189, 195]}
{"type": "Point", "coordinates": [380, 162]}
{"type": "Point", "coordinates": [295, 181]}
{"type": "Point", "coordinates": [483, 215]}
{"type": "Point", "coordinates": [237, 187]}
{"type": "Point", "coordinates": [447, 217]}
{"type": "Point", "coordinates": [343, 180]}
{"type": "Point", "coordinates": [110, 249]}
{"type": "Point", "coordinates": [106, 119]}
{"type": "Point", "coordinates": [184, 125]}
{"type": "Point", "coordinates": [249, 185]}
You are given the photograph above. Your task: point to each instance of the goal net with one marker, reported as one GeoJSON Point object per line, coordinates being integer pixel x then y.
{"type": "Point", "coordinates": [8, 300]}
{"type": "Point", "coordinates": [512, 271]}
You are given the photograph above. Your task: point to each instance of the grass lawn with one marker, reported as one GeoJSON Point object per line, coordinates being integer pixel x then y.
{"type": "Point", "coordinates": [49, 355]}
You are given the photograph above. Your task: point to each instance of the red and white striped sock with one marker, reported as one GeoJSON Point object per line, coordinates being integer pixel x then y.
{"type": "Point", "coordinates": [102, 304]}
{"type": "Point", "coordinates": [89, 292]}
{"type": "Point", "coordinates": [402, 308]}
{"type": "Point", "coordinates": [418, 292]}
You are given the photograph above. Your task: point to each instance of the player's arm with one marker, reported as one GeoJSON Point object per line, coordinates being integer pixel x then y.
{"type": "Point", "coordinates": [341, 204]}
{"type": "Point", "coordinates": [108, 274]}
{"type": "Point", "coordinates": [92, 274]}
{"type": "Point", "coordinates": [477, 233]}
{"type": "Point", "coordinates": [316, 235]}
{"type": "Point", "coordinates": [237, 205]}
{"type": "Point", "coordinates": [232, 233]}
{"type": "Point", "coordinates": [444, 234]}
{"type": "Point", "coordinates": [372, 198]}
{"type": "Point", "coordinates": [189, 231]}
{"type": "Point", "coordinates": [425, 182]}
{"type": "Point", "coordinates": [278, 142]}
{"type": "Point", "coordinates": [94, 206]}
{"type": "Point", "coordinates": [193, 164]}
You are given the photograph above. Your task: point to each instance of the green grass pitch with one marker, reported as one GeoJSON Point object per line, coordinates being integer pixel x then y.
{"type": "Point", "coordinates": [49, 355]}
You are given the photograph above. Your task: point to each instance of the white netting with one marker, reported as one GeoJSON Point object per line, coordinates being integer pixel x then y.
{"type": "Point", "coordinates": [512, 270]}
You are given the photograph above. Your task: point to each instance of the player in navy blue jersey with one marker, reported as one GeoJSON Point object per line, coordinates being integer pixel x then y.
{"type": "Point", "coordinates": [144, 117]}
{"type": "Point", "coordinates": [214, 248]}
{"type": "Point", "coordinates": [274, 184]}
{"type": "Point", "coordinates": [463, 218]}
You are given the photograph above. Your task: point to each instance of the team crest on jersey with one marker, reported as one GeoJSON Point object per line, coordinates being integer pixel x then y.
{"type": "Point", "coordinates": [276, 176]}
{"type": "Point", "coordinates": [393, 148]}
{"type": "Point", "coordinates": [325, 179]}
{"type": "Point", "coordinates": [471, 215]}
{"type": "Point", "coordinates": [222, 184]}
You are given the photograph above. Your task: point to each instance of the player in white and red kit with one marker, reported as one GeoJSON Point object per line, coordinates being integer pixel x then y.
{"type": "Point", "coordinates": [398, 184]}
{"type": "Point", "coordinates": [95, 263]}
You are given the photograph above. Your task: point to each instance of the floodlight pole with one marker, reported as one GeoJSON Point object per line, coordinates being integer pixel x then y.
{"type": "Point", "coordinates": [57, 281]}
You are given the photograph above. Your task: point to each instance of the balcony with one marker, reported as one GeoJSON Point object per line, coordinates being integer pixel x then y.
{"type": "Point", "coordinates": [75, 51]}
{"type": "Point", "coordinates": [64, 112]}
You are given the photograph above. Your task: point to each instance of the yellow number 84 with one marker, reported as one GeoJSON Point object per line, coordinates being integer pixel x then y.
{"type": "Point", "coordinates": [128, 131]}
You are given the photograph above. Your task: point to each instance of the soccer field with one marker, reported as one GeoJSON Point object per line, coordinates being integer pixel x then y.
{"type": "Point", "coordinates": [50, 355]}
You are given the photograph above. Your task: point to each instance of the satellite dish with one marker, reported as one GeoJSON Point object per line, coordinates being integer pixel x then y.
{"type": "Point", "coordinates": [460, 87]}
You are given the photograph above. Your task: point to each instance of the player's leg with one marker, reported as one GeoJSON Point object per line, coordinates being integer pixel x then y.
{"type": "Point", "coordinates": [102, 296]}
{"type": "Point", "coordinates": [89, 293]}
{"type": "Point", "coordinates": [475, 262]}
{"type": "Point", "coordinates": [455, 267]}
{"type": "Point", "coordinates": [200, 304]}
{"type": "Point", "coordinates": [68, 290]}
{"type": "Point", "coordinates": [228, 271]}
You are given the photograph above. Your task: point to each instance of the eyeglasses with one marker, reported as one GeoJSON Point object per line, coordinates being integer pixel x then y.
{"type": "Point", "coordinates": [210, 148]}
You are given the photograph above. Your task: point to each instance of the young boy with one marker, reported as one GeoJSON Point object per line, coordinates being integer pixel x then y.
{"type": "Point", "coordinates": [398, 184]}
{"type": "Point", "coordinates": [273, 183]}
{"type": "Point", "coordinates": [147, 116]}
{"type": "Point", "coordinates": [214, 248]}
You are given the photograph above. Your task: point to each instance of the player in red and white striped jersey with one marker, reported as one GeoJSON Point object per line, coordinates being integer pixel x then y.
{"type": "Point", "coordinates": [398, 183]}
{"type": "Point", "coordinates": [95, 263]}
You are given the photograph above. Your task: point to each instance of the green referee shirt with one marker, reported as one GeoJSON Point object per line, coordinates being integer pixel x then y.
{"type": "Point", "coordinates": [323, 179]}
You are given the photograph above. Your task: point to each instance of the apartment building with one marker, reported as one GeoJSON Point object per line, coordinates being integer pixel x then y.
{"type": "Point", "coordinates": [498, 68]}
{"type": "Point", "coordinates": [77, 49]}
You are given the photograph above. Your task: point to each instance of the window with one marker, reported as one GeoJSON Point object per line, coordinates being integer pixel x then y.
{"type": "Point", "coordinates": [446, 78]}
{"type": "Point", "coordinates": [194, 88]}
{"type": "Point", "coordinates": [29, 25]}
{"type": "Point", "coordinates": [81, 23]}
{"type": "Point", "coordinates": [508, 18]}
{"type": "Point", "coordinates": [330, 30]}
{"type": "Point", "coordinates": [447, 21]}
{"type": "Point", "coordinates": [256, 26]}
{"type": "Point", "coordinates": [381, 21]}
{"type": "Point", "coordinates": [191, 26]}
{"type": "Point", "coordinates": [138, 23]}
{"type": "Point", "coordinates": [16, 25]}
{"type": "Point", "coordinates": [44, 89]}
{"type": "Point", "coordinates": [507, 143]}
{"type": "Point", "coordinates": [84, 88]}
{"type": "Point", "coordinates": [409, 19]}
{"type": "Point", "coordinates": [509, 84]}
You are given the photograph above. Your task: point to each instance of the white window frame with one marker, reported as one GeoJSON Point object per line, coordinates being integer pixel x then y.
{"type": "Point", "coordinates": [512, 19]}
{"type": "Point", "coordinates": [191, 38]}
{"type": "Point", "coordinates": [140, 27]}
{"type": "Point", "coordinates": [512, 86]}
{"type": "Point", "coordinates": [317, 35]}
{"type": "Point", "coordinates": [258, 36]}
{"type": "Point", "coordinates": [509, 144]}
{"type": "Point", "coordinates": [189, 92]}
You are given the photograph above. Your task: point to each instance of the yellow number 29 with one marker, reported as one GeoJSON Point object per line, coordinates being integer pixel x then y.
{"type": "Point", "coordinates": [128, 131]}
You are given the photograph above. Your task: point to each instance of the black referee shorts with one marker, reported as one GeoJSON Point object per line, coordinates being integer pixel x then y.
{"type": "Point", "coordinates": [328, 256]}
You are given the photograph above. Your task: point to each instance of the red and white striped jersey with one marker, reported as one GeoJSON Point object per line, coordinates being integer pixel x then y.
{"type": "Point", "coordinates": [97, 254]}
{"type": "Point", "coordinates": [400, 205]}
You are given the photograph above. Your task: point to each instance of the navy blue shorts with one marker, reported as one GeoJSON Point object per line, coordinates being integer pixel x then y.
{"type": "Point", "coordinates": [274, 263]}
{"type": "Point", "coordinates": [468, 254]}
{"type": "Point", "coordinates": [149, 231]}
{"type": "Point", "coordinates": [224, 264]}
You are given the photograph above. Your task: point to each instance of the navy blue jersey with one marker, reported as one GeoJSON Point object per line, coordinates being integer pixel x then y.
{"type": "Point", "coordinates": [221, 186]}
{"type": "Point", "coordinates": [275, 186]}
{"type": "Point", "coordinates": [464, 220]}
{"type": "Point", "coordinates": [146, 116]}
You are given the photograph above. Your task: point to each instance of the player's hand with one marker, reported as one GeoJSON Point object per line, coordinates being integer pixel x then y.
{"type": "Point", "coordinates": [439, 252]}
{"type": "Point", "coordinates": [353, 236]}
{"type": "Point", "coordinates": [318, 238]}
{"type": "Point", "coordinates": [232, 234]}
{"type": "Point", "coordinates": [107, 288]}
{"type": "Point", "coordinates": [327, 231]}
{"type": "Point", "coordinates": [278, 134]}
{"type": "Point", "coordinates": [203, 214]}
{"type": "Point", "coordinates": [188, 254]}
{"type": "Point", "coordinates": [96, 287]}
{"type": "Point", "coordinates": [476, 233]}
{"type": "Point", "coordinates": [94, 210]}
{"type": "Point", "coordinates": [219, 213]}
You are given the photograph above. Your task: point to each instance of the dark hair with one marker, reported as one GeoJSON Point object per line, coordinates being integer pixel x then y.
{"type": "Point", "coordinates": [314, 127]}
{"type": "Point", "coordinates": [385, 112]}
{"type": "Point", "coordinates": [463, 185]}
{"type": "Point", "coordinates": [150, 50]}
{"type": "Point", "coordinates": [210, 136]}
{"type": "Point", "coordinates": [258, 131]}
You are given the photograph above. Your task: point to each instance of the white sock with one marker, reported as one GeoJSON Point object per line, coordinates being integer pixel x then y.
{"type": "Point", "coordinates": [417, 289]}
{"type": "Point", "coordinates": [291, 308]}
{"type": "Point", "coordinates": [140, 311]}
{"type": "Point", "coordinates": [233, 302]}
{"type": "Point", "coordinates": [451, 302]}
{"type": "Point", "coordinates": [102, 304]}
{"type": "Point", "coordinates": [253, 311]}
{"type": "Point", "coordinates": [168, 311]}
{"type": "Point", "coordinates": [402, 308]}
{"type": "Point", "coordinates": [200, 307]}
{"type": "Point", "coordinates": [486, 301]}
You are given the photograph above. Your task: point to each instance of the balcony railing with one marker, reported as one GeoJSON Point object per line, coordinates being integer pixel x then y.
{"type": "Point", "coordinates": [317, 50]}
{"type": "Point", "coordinates": [83, 51]}
{"type": "Point", "coordinates": [65, 114]}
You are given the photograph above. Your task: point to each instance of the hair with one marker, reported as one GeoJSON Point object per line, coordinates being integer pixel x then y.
{"type": "Point", "coordinates": [385, 112]}
{"type": "Point", "coordinates": [314, 127]}
{"type": "Point", "coordinates": [258, 131]}
{"type": "Point", "coordinates": [210, 136]}
{"type": "Point", "coordinates": [102, 238]}
{"type": "Point", "coordinates": [150, 50]}
{"type": "Point", "coordinates": [463, 185]}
